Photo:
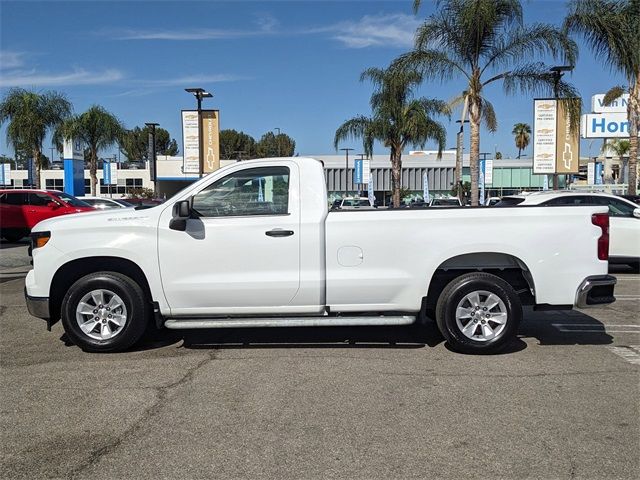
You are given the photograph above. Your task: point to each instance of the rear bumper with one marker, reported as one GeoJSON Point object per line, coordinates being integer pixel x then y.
{"type": "Point", "coordinates": [596, 290]}
{"type": "Point", "coordinates": [37, 306]}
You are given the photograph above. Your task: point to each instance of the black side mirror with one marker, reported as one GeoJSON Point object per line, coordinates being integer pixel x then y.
{"type": "Point", "coordinates": [181, 213]}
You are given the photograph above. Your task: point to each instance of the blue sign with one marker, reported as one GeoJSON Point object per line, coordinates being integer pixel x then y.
{"type": "Point", "coordinates": [5, 174]}
{"type": "Point", "coordinates": [598, 173]}
{"type": "Point", "coordinates": [106, 172]}
{"type": "Point", "coordinates": [357, 171]}
{"type": "Point", "coordinates": [545, 182]}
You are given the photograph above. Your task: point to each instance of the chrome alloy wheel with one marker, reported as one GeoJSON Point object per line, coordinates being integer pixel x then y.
{"type": "Point", "coordinates": [481, 315]}
{"type": "Point", "coordinates": [101, 314]}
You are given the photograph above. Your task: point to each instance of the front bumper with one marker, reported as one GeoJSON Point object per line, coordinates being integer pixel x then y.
{"type": "Point", "coordinates": [37, 306]}
{"type": "Point", "coordinates": [596, 290]}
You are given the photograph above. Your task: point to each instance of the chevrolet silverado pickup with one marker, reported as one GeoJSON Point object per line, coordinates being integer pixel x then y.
{"type": "Point", "coordinates": [254, 245]}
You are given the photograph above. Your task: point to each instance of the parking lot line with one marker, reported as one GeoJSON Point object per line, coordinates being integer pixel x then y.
{"type": "Point", "coordinates": [630, 353]}
{"type": "Point", "coordinates": [590, 328]}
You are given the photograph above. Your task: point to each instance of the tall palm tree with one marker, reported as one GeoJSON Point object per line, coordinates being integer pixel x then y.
{"type": "Point", "coordinates": [398, 119]}
{"type": "Point", "coordinates": [612, 29]}
{"type": "Point", "coordinates": [31, 116]}
{"type": "Point", "coordinates": [483, 42]}
{"type": "Point", "coordinates": [522, 134]}
{"type": "Point", "coordinates": [98, 129]}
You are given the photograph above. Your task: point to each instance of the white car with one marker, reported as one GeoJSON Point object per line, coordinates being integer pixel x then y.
{"type": "Point", "coordinates": [445, 202]}
{"type": "Point", "coordinates": [254, 245]}
{"type": "Point", "coordinates": [104, 203]}
{"type": "Point", "coordinates": [624, 219]}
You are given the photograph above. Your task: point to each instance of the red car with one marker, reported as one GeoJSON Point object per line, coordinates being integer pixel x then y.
{"type": "Point", "coordinates": [20, 210]}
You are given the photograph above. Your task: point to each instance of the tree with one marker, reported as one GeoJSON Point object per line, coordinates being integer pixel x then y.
{"type": "Point", "coordinates": [498, 155]}
{"type": "Point", "coordinates": [612, 29]}
{"type": "Point", "coordinates": [398, 119]}
{"type": "Point", "coordinates": [620, 148]}
{"type": "Point", "coordinates": [281, 145]}
{"type": "Point", "coordinates": [135, 143]}
{"type": "Point", "coordinates": [485, 41]}
{"type": "Point", "coordinates": [30, 117]}
{"type": "Point", "coordinates": [236, 145]}
{"type": "Point", "coordinates": [522, 134]}
{"type": "Point", "coordinates": [98, 129]}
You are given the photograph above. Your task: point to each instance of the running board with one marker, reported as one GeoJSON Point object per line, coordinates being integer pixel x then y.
{"type": "Point", "coordinates": [252, 322]}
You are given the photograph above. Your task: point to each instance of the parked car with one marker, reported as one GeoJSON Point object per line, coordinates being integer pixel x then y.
{"type": "Point", "coordinates": [624, 222]}
{"type": "Point", "coordinates": [445, 202]}
{"type": "Point", "coordinates": [492, 201]}
{"type": "Point", "coordinates": [21, 210]}
{"type": "Point", "coordinates": [254, 245]}
{"type": "Point", "coordinates": [103, 203]}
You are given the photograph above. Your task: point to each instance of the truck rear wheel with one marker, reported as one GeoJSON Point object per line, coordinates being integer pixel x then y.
{"type": "Point", "coordinates": [478, 313]}
{"type": "Point", "coordinates": [104, 312]}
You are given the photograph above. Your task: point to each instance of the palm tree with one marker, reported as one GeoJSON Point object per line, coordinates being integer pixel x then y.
{"type": "Point", "coordinates": [98, 129]}
{"type": "Point", "coordinates": [621, 149]}
{"type": "Point", "coordinates": [483, 42]}
{"type": "Point", "coordinates": [31, 116]}
{"type": "Point", "coordinates": [522, 132]}
{"type": "Point", "coordinates": [398, 119]}
{"type": "Point", "coordinates": [612, 29]}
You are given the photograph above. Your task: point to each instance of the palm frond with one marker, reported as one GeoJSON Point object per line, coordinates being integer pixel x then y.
{"type": "Point", "coordinates": [613, 94]}
{"type": "Point", "coordinates": [488, 115]}
{"type": "Point", "coordinates": [357, 127]}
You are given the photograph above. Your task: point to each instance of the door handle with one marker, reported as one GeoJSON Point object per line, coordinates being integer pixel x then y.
{"type": "Point", "coordinates": [278, 232]}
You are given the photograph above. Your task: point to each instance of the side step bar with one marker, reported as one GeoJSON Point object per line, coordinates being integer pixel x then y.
{"type": "Point", "coordinates": [252, 322]}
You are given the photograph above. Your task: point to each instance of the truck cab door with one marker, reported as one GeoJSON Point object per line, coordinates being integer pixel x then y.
{"type": "Point", "coordinates": [240, 252]}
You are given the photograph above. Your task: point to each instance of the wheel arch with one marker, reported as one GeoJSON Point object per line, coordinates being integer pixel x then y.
{"type": "Point", "coordinates": [506, 266]}
{"type": "Point", "coordinates": [73, 270]}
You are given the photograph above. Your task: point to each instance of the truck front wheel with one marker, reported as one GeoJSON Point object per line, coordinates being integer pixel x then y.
{"type": "Point", "coordinates": [104, 312]}
{"type": "Point", "coordinates": [478, 313]}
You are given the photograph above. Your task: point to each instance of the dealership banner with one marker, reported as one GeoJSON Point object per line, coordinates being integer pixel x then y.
{"type": "Point", "coordinates": [556, 149]}
{"type": "Point", "coordinates": [190, 142]}
{"type": "Point", "coordinates": [109, 173]}
{"type": "Point", "coordinates": [361, 171]}
{"type": "Point", "coordinates": [5, 174]}
{"type": "Point", "coordinates": [211, 139]}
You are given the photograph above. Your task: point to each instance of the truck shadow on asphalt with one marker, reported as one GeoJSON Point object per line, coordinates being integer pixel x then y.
{"type": "Point", "coordinates": [548, 328]}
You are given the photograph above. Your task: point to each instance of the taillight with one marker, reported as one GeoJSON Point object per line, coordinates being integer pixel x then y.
{"type": "Point", "coordinates": [602, 220]}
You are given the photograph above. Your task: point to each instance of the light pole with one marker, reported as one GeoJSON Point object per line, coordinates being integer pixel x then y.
{"type": "Point", "coordinates": [152, 152]}
{"type": "Point", "coordinates": [558, 73]}
{"type": "Point", "coordinates": [278, 139]}
{"type": "Point", "coordinates": [199, 93]}
{"type": "Point", "coordinates": [346, 170]}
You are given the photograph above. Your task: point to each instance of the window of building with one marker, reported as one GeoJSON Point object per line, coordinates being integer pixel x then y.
{"type": "Point", "coordinates": [54, 184]}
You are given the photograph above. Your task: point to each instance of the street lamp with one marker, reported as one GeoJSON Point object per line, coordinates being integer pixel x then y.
{"type": "Point", "coordinates": [152, 151]}
{"type": "Point", "coordinates": [346, 169]}
{"type": "Point", "coordinates": [558, 73]}
{"type": "Point", "coordinates": [199, 93]}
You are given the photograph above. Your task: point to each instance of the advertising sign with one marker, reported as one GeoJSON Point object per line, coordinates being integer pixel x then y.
{"type": "Point", "coordinates": [110, 173]}
{"type": "Point", "coordinates": [544, 135]}
{"type": "Point", "coordinates": [190, 142]}
{"type": "Point", "coordinates": [488, 172]}
{"type": "Point", "coordinates": [5, 174]}
{"type": "Point", "coordinates": [481, 180]}
{"type": "Point", "coordinates": [619, 105]}
{"type": "Point", "coordinates": [591, 173]}
{"type": "Point", "coordinates": [599, 173]}
{"type": "Point", "coordinates": [357, 171]}
{"type": "Point", "coordinates": [366, 171]}
{"type": "Point", "coordinates": [604, 125]}
{"type": "Point", "coordinates": [425, 187]}
{"type": "Point", "coordinates": [567, 143]}
{"type": "Point", "coordinates": [72, 149]}
{"type": "Point", "coordinates": [211, 139]}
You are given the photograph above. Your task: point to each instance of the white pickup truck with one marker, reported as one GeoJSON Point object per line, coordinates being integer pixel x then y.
{"type": "Point", "coordinates": [253, 245]}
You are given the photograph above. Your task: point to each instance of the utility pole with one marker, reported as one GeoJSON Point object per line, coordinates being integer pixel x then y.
{"type": "Point", "coordinates": [346, 170]}
{"type": "Point", "coordinates": [200, 93]}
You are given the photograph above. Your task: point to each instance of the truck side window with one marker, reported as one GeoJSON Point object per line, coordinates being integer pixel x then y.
{"type": "Point", "coordinates": [254, 191]}
{"type": "Point", "coordinates": [617, 208]}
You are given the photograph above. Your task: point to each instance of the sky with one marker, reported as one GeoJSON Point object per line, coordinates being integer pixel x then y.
{"type": "Point", "coordinates": [292, 65]}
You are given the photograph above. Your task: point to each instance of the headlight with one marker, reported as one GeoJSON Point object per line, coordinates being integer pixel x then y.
{"type": "Point", "coordinates": [39, 239]}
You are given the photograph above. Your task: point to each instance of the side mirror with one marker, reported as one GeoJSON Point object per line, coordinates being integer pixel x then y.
{"type": "Point", "coordinates": [52, 205]}
{"type": "Point", "coordinates": [636, 212]}
{"type": "Point", "coordinates": [180, 215]}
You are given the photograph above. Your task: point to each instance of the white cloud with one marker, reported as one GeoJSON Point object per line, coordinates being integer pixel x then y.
{"type": "Point", "coordinates": [395, 30]}
{"type": "Point", "coordinates": [10, 59]}
{"type": "Point", "coordinates": [77, 76]}
{"type": "Point", "coordinates": [186, 81]}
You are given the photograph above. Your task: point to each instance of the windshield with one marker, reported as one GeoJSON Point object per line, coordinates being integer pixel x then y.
{"type": "Point", "coordinates": [448, 202]}
{"type": "Point", "coordinates": [70, 200]}
{"type": "Point", "coordinates": [355, 203]}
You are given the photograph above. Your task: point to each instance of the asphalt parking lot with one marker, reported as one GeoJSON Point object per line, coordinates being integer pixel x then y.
{"type": "Point", "coordinates": [366, 403]}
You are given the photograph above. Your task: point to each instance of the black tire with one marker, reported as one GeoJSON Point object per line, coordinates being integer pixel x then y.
{"type": "Point", "coordinates": [137, 308]}
{"type": "Point", "coordinates": [456, 291]}
{"type": "Point", "coordinates": [14, 236]}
